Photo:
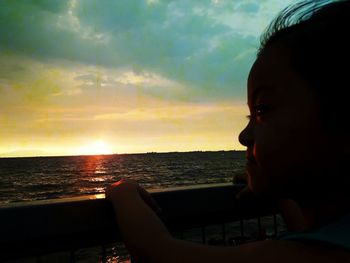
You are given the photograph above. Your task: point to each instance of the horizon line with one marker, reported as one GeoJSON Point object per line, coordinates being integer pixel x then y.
{"type": "Point", "coordinates": [131, 153]}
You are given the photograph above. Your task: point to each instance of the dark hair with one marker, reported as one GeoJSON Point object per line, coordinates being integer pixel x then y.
{"type": "Point", "coordinates": [316, 35]}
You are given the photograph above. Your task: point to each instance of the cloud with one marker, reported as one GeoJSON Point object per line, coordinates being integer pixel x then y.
{"type": "Point", "coordinates": [54, 6]}
{"type": "Point", "coordinates": [175, 40]}
{"type": "Point", "coordinates": [196, 44]}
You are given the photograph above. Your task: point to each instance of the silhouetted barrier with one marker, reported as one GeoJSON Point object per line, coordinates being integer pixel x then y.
{"type": "Point", "coordinates": [42, 227]}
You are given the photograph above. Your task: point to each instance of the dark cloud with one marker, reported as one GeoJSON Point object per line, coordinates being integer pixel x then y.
{"type": "Point", "coordinates": [54, 6]}
{"type": "Point", "coordinates": [249, 7]}
{"type": "Point", "coordinates": [179, 40]}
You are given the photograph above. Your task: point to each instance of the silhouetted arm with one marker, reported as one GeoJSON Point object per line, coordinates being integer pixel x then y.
{"type": "Point", "coordinates": [147, 238]}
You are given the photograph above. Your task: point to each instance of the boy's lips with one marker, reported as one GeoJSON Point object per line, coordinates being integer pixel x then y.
{"type": "Point", "coordinates": [251, 168]}
{"type": "Point", "coordinates": [249, 155]}
{"type": "Point", "coordinates": [250, 163]}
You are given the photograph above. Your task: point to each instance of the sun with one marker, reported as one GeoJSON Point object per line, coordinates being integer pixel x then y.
{"type": "Point", "coordinates": [95, 148]}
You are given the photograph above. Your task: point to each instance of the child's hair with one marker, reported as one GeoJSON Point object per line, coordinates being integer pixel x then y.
{"type": "Point", "coordinates": [316, 35]}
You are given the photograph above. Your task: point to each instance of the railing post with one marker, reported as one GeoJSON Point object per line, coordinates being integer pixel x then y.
{"type": "Point", "coordinates": [241, 223]}
{"type": "Point", "coordinates": [104, 260]}
{"type": "Point", "coordinates": [72, 256]}
{"type": "Point", "coordinates": [223, 233]}
{"type": "Point", "coordinates": [204, 237]}
{"type": "Point", "coordinates": [275, 225]}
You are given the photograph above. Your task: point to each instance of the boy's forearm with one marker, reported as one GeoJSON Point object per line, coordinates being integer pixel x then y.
{"type": "Point", "coordinates": [141, 228]}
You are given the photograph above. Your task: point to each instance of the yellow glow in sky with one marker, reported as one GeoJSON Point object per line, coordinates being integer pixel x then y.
{"type": "Point", "coordinates": [74, 109]}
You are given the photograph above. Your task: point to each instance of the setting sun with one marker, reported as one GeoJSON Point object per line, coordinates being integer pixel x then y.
{"type": "Point", "coordinates": [95, 148]}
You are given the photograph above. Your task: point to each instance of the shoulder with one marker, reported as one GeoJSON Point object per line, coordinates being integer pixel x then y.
{"type": "Point", "coordinates": [269, 251]}
{"type": "Point", "coordinates": [294, 251]}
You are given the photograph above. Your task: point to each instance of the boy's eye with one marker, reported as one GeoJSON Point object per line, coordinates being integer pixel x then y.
{"type": "Point", "coordinates": [258, 111]}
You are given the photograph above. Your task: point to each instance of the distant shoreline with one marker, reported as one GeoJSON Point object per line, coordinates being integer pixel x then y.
{"type": "Point", "coordinates": [121, 154]}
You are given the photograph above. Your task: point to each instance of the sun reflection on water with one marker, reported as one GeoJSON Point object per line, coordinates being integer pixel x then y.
{"type": "Point", "coordinates": [94, 174]}
{"type": "Point", "coordinates": [99, 196]}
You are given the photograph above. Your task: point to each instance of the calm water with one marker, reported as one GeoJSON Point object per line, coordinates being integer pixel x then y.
{"type": "Point", "coordinates": [26, 179]}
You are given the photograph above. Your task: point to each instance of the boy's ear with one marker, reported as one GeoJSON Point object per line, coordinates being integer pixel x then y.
{"type": "Point", "coordinates": [347, 149]}
{"type": "Point", "coordinates": [341, 141]}
{"type": "Point", "coordinates": [346, 146]}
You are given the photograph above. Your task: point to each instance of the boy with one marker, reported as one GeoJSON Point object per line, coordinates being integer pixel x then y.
{"type": "Point", "coordinates": [296, 142]}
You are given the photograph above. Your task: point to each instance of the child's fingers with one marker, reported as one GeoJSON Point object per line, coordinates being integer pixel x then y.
{"type": "Point", "coordinates": [117, 186]}
{"type": "Point", "coordinates": [127, 185]}
{"type": "Point", "coordinates": [146, 197]}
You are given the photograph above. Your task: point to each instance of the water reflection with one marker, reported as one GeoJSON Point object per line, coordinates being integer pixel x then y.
{"type": "Point", "coordinates": [91, 164]}
{"type": "Point", "coordinates": [93, 174]}
{"type": "Point", "coordinates": [100, 196]}
{"type": "Point", "coordinates": [100, 169]}
{"type": "Point", "coordinates": [98, 179]}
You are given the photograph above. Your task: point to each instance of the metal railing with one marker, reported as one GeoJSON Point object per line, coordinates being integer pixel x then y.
{"type": "Point", "coordinates": [34, 229]}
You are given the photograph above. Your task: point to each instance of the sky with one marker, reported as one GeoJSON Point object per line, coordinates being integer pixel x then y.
{"type": "Point", "coordinates": [126, 76]}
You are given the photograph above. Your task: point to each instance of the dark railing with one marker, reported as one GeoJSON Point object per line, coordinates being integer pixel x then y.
{"type": "Point", "coordinates": [37, 228]}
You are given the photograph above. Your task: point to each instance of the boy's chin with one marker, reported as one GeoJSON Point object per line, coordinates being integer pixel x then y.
{"type": "Point", "coordinates": [268, 192]}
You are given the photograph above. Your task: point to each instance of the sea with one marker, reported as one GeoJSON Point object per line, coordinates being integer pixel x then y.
{"type": "Point", "coordinates": [40, 178]}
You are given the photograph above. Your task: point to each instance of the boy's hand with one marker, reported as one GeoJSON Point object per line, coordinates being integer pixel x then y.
{"type": "Point", "coordinates": [127, 188]}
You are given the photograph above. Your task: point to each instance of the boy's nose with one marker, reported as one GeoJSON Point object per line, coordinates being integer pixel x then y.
{"type": "Point", "coordinates": [246, 137]}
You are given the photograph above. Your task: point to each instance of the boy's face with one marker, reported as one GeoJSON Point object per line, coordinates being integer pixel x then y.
{"type": "Point", "coordinates": [286, 147]}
